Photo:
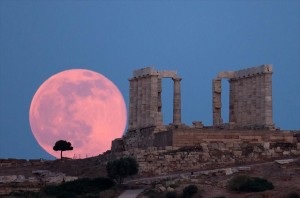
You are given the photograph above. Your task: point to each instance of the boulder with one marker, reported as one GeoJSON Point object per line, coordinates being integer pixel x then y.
{"type": "Point", "coordinates": [8, 178]}
{"type": "Point", "coordinates": [169, 189]}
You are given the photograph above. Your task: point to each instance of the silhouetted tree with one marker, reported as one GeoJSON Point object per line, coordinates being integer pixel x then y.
{"type": "Point", "coordinates": [121, 168]}
{"type": "Point", "coordinates": [62, 145]}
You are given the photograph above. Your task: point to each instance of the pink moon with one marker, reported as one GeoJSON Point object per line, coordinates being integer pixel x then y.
{"type": "Point", "coordinates": [80, 106]}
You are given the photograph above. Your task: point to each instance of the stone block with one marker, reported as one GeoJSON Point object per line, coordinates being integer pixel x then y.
{"type": "Point", "coordinates": [214, 146]}
{"type": "Point", "coordinates": [285, 161]}
{"type": "Point", "coordinates": [237, 153]}
{"type": "Point", "coordinates": [8, 178]}
{"type": "Point", "coordinates": [20, 179]}
{"type": "Point", "coordinates": [278, 150]}
{"type": "Point", "coordinates": [168, 148]}
{"type": "Point", "coordinates": [244, 168]}
{"type": "Point", "coordinates": [236, 145]}
{"type": "Point", "coordinates": [32, 180]}
{"type": "Point", "coordinates": [70, 178]}
{"type": "Point", "coordinates": [169, 189]}
{"type": "Point", "coordinates": [228, 171]}
{"type": "Point", "coordinates": [266, 145]}
{"type": "Point", "coordinates": [161, 188]}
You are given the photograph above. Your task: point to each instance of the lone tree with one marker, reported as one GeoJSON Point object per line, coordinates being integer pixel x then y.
{"type": "Point", "coordinates": [62, 145]}
{"type": "Point", "coordinates": [121, 168]}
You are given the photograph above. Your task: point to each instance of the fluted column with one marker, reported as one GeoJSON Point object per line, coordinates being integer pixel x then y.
{"type": "Point", "coordinates": [217, 105]}
{"type": "Point", "coordinates": [177, 101]}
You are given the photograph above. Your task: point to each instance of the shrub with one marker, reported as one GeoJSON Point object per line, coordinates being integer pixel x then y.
{"type": "Point", "coordinates": [171, 195]}
{"type": "Point", "coordinates": [80, 187]}
{"type": "Point", "coordinates": [121, 168]}
{"type": "Point", "coordinates": [152, 194]}
{"type": "Point", "coordinates": [174, 186]}
{"type": "Point", "coordinates": [66, 195]}
{"type": "Point", "coordinates": [293, 195]}
{"type": "Point", "coordinates": [188, 191]}
{"type": "Point", "coordinates": [243, 183]}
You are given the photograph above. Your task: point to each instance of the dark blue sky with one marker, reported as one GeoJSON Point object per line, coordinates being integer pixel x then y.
{"type": "Point", "coordinates": [196, 38]}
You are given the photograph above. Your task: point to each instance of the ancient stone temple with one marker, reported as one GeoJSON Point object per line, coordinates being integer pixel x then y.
{"type": "Point", "coordinates": [250, 98]}
{"type": "Point", "coordinates": [145, 105]}
{"type": "Point", "coordinates": [250, 135]}
{"type": "Point", "coordinates": [250, 112]}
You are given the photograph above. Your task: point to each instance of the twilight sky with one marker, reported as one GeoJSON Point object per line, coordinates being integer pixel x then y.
{"type": "Point", "coordinates": [197, 38]}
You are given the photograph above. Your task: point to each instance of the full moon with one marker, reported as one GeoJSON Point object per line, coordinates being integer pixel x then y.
{"type": "Point", "coordinates": [80, 106]}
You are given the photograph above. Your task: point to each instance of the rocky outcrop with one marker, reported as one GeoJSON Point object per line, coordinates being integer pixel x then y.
{"type": "Point", "coordinates": [40, 176]}
{"type": "Point", "coordinates": [12, 179]}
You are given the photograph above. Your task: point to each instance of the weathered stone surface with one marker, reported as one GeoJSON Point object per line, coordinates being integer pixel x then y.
{"type": "Point", "coordinates": [145, 99]}
{"type": "Point", "coordinates": [249, 136]}
{"type": "Point", "coordinates": [244, 168]}
{"type": "Point", "coordinates": [250, 102]}
{"type": "Point", "coordinates": [44, 176]}
{"type": "Point", "coordinates": [8, 179]}
{"type": "Point", "coordinates": [286, 161]}
{"type": "Point", "coordinates": [169, 189]}
{"type": "Point", "coordinates": [12, 178]}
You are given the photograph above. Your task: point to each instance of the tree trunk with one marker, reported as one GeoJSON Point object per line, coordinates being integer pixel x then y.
{"type": "Point", "coordinates": [61, 154]}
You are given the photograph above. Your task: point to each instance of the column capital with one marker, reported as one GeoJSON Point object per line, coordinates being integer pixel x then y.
{"type": "Point", "coordinates": [177, 78]}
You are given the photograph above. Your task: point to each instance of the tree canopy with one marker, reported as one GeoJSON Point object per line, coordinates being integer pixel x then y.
{"type": "Point", "coordinates": [62, 145]}
{"type": "Point", "coordinates": [121, 168]}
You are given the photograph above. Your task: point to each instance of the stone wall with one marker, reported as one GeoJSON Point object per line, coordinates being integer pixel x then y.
{"type": "Point", "coordinates": [180, 136]}
{"type": "Point", "coordinates": [20, 162]}
{"type": "Point", "coordinates": [185, 148]}
{"type": "Point", "coordinates": [15, 183]}
{"type": "Point", "coordinates": [219, 154]}
{"type": "Point", "coordinates": [139, 139]}
{"type": "Point", "coordinates": [192, 137]}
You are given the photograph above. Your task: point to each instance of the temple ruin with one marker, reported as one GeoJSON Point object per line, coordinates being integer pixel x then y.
{"type": "Point", "coordinates": [250, 103]}
{"type": "Point", "coordinates": [250, 98]}
{"type": "Point", "coordinates": [249, 136]}
{"type": "Point", "coordinates": [145, 105]}
{"type": "Point", "coordinates": [250, 111]}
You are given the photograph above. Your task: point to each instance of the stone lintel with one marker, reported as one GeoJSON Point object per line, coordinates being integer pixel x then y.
{"type": "Point", "coordinates": [253, 71]}
{"type": "Point", "coordinates": [144, 71]}
{"type": "Point", "coordinates": [151, 71]}
{"type": "Point", "coordinates": [244, 73]}
{"type": "Point", "coordinates": [168, 74]}
{"type": "Point", "coordinates": [227, 74]}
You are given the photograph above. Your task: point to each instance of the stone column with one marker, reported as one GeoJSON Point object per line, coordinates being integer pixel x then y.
{"type": "Point", "coordinates": [154, 99]}
{"type": "Point", "coordinates": [159, 118]}
{"type": "Point", "coordinates": [217, 105]}
{"type": "Point", "coordinates": [135, 108]}
{"type": "Point", "coordinates": [268, 99]}
{"type": "Point", "coordinates": [232, 96]}
{"type": "Point", "coordinates": [143, 104]}
{"type": "Point", "coordinates": [148, 100]}
{"type": "Point", "coordinates": [177, 101]}
{"type": "Point", "coordinates": [131, 103]}
{"type": "Point", "coordinates": [139, 102]}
